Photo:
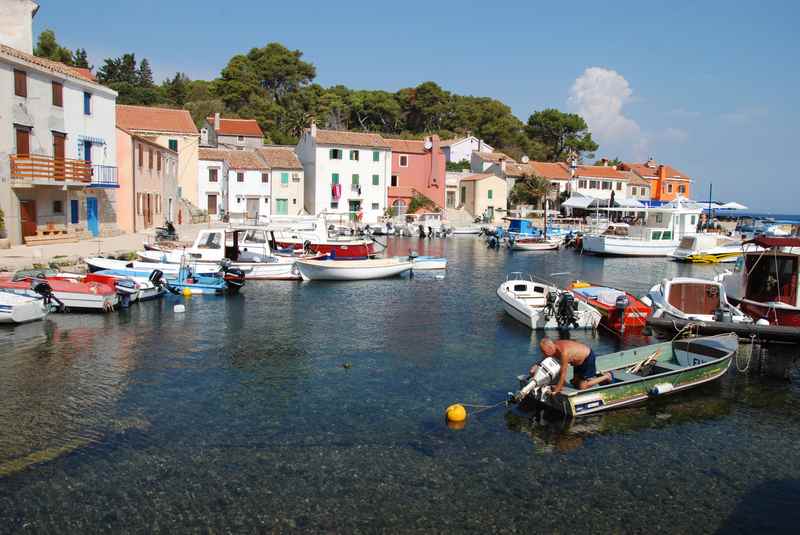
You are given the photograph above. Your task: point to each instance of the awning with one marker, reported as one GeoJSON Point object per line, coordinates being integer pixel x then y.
{"type": "Point", "coordinates": [628, 203]}
{"type": "Point", "coordinates": [733, 206]}
{"type": "Point", "coordinates": [578, 201]}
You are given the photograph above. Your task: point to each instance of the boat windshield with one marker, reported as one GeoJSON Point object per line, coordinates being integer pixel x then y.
{"type": "Point", "coordinates": [212, 240]}
{"type": "Point", "coordinates": [772, 278]}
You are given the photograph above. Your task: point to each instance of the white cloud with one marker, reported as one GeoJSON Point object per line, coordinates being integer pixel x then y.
{"type": "Point", "coordinates": [599, 95]}
{"type": "Point", "coordinates": [745, 116]}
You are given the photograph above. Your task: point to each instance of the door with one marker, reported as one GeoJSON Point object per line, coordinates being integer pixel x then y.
{"type": "Point", "coordinates": [451, 199]}
{"type": "Point", "coordinates": [281, 206]}
{"type": "Point", "coordinates": [355, 208]}
{"type": "Point", "coordinates": [23, 141]}
{"type": "Point", "coordinates": [59, 153]}
{"type": "Point", "coordinates": [148, 211]}
{"type": "Point", "coordinates": [169, 209]}
{"type": "Point", "coordinates": [252, 208]}
{"type": "Point", "coordinates": [74, 215]}
{"type": "Point", "coordinates": [27, 217]}
{"type": "Point", "coordinates": [92, 219]}
{"type": "Point", "coordinates": [211, 205]}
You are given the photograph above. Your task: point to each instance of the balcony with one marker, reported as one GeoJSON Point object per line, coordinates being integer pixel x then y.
{"type": "Point", "coordinates": [104, 176]}
{"type": "Point", "coordinates": [35, 170]}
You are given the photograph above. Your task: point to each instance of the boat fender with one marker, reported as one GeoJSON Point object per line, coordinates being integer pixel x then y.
{"type": "Point", "coordinates": [661, 388]}
{"type": "Point", "coordinates": [762, 321]}
{"type": "Point", "coordinates": [187, 292]}
{"type": "Point", "coordinates": [456, 413]}
{"type": "Point", "coordinates": [179, 308]}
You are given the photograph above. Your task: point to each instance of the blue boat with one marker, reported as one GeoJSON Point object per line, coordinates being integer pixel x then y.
{"type": "Point", "coordinates": [228, 280]}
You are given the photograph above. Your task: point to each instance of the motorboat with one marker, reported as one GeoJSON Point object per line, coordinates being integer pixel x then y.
{"type": "Point", "coordinates": [228, 280]}
{"type": "Point", "coordinates": [352, 270]}
{"type": "Point", "coordinates": [321, 239]}
{"type": "Point", "coordinates": [429, 262]}
{"type": "Point", "coordinates": [638, 375]}
{"type": "Point", "coordinates": [532, 244]}
{"type": "Point", "coordinates": [708, 248]}
{"type": "Point", "coordinates": [262, 271]}
{"type": "Point", "coordinates": [687, 298]}
{"type": "Point", "coordinates": [16, 308]}
{"type": "Point", "coordinates": [541, 306]}
{"type": "Point", "coordinates": [146, 284]}
{"type": "Point", "coordinates": [661, 233]}
{"type": "Point", "coordinates": [763, 283]}
{"type": "Point", "coordinates": [620, 310]}
{"type": "Point", "coordinates": [89, 292]}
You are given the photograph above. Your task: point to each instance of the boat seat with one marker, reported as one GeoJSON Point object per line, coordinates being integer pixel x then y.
{"type": "Point", "coordinates": [622, 375]}
{"type": "Point", "coordinates": [668, 365]}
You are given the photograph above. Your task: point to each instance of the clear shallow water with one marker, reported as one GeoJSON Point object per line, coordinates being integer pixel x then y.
{"type": "Point", "coordinates": [239, 415]}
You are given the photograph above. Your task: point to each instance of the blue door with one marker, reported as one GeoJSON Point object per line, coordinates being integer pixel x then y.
{"type": "Point", "coordinates": [93, 221]}
{"type": "Point", "coordinates": [73, 211]}
{"type": "Point", "coordinates": [87, 151]}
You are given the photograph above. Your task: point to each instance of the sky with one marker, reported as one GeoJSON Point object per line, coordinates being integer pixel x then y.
{"type": "Point", "coordinates": [709, 87]}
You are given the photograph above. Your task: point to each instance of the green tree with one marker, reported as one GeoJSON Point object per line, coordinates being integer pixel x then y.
{"type": "Point", "coordinates": [47, 47]}
{"type": "Point", "coordinates": [280, 71]}
{"type": "Point", "coordinates": [375, 111]}
{"type": "Point", "coordinates": [531, 190]}
{"type": "Point", "coordinates": [80, 58]}
{"type": "Point", "coordinates": [144, 74]}
{"type": "Point", "coordinates": [560, 132]}
{"type": "Point", "coordinates": [426, 107]}
{"type": "Point", "coordinates": [176, 89]}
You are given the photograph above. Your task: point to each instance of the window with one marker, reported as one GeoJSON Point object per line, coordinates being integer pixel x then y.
{"type": "Point", "coordinates": [281, 206]}
{"type": "Point", "coordinates": [295, 177]}
{"type": "Point", "coordinates": [264, 178]}
{"type": "Point", "coordinates": [489, 194]}
{"type": "Point", "coordinates": [23, 141]}
{"type": "Point", "coordinates": [212, 175]}
{"type": "Point", "coordinates": [158, 161]}
{"type": "Point", "coordinates": [173, 144]}
{"type": "Point", "coordinates": [643, 191]}
{"type": "Point", "coordinates": [667, 235]}
{"type": "Point", "coordinates": [58, 207]}
{"type": "Point", "coordinates": [376, 206]}
{"type": "Point", "coordinates": [394, 181]}
{"type": "Point", "coordinates": [594, 184]}
{"type": "Point", "coordinates": [582, 184]}
{"type": "Point", "coordinates": [241, 139]}
{"type": "Point", "coordinates": [20, 83]}
{"type": "Point", "coordinates": [656, 235]}
{"type": "Point", "coordinates": [619, 186]}
{"type": "Point", "coordinates": [633, 190]}
{"type": "Point", "coordinates": [403, 160]}
{"type": "Point", "coordinates": [463, 194]}
{"type": "Point", "coordinates": [669, 188]}
{"type": "Point", "coordinates": [334, 205]}
{"type": "Point", "coordinates": [141, 155]}
{"type": "Point", "coordinates": [355, 180]}
{"type": "Point", "coordinates": [354, 155]}
{"type": "Point", "coordinates": [376, 156]}
{"type": "Point", "coordinates": [239, 177]}
{"type": "Point", "coordinates": [335, 178]}
{"type": "Point", "coordinates": [681, 189]}
{"type": "Point", "coordinates": [606, 184]}
{"type": "Point", "coordinates": [335, 154]}
{"type": "Point", "coordinates": [659, 218]}
{"type": "Point", "coordinates": [58, 94]}
{"type": "Point", "coordinates": [87, 103]}
{"type": "Point", "coordinates": [692, 220]}
{"type": "Point", "coordinates": [150, 157]}
{"type": "Point", "coordinates": [284, 179]}
{"type": "Point", "coordinates": [376, 180]}
{"type": "Point", "coordinates": [294, 201]}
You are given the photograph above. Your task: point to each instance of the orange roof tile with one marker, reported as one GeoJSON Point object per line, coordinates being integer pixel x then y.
{"type": "Point", "coordinates": [643, 170]}
{"type": "Point", "coordinates": [147, 119]}
{"type": "Point", "coordinates": [410, 146]}
{"type": "Point", "coordinates": [245, 159]}
{"type": "Point", "coordinates": [211, 154]}
{"type": "Point", "coordinates": [237, 127]}
{"type": "Point", "coordinates": [634, 179]}
{"type": "Point", "coordinates": [280, 157]}
{"type": "Point", "coordinates": [552, 170]}
{"type": "Point", "coordinates": [479, 176]}
{"type": "Point", "coordinates": [598, 171]}
{"type": "Point", "coordinates": [354, 139]}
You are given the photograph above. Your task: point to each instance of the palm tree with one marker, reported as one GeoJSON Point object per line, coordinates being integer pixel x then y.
{"type": "Point", "coordinates": [529, 190]}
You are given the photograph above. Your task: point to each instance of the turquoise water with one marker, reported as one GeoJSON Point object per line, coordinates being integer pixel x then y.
{"type": "Point", "coordinates": [319, 407]}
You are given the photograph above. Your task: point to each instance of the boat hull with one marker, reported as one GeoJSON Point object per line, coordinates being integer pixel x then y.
{"type": "Point", "coordinates": [537, 245]}
{"type": "Point", "coordinates": [15, 309]}
{"type": "Point", "coordinates": [535, 318]}
{"type": "Point", "coordinates": [281, 270]}
{"type": "Point", "coordinates": [611, 246]}
{"type": "Point", "coordinates": [343, 251]}
{"type": "Point", "coordinates": [618, 320]}
{"type": "Point", "coordinates": [343, 270]}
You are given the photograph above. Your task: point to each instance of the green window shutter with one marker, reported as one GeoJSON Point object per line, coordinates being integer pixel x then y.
{"type": "Point", "coordinates": [355, 180]}
{"type": "Point", "coordinates": [376, 156]}
{"type": "Point", "coordinates": [284, 178]}
{"type": "Point", "coordinates": [330, 154]}
{"type": "Point", "coordinates": [376, 180]}
{"type": "Point", "coordinates": [490, 194]}
{"type": "Point", "coordinates": [335, 178]}
{"type": "Point", "coordinates": [173, 145]}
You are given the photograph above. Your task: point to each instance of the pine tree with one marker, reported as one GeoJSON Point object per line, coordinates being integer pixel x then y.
{"type": "Point", "coordinates": [145, 74]}
{"type": "Point", "coordinates": [80, 58]}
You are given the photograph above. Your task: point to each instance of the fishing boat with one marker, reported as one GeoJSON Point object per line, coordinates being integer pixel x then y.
{"type": "Point", "coordinates": [90, 292]}
{"type": "Point", "coordinates": [688, 298]}
{"type": "Point", "coordinates": [764, 283]}
{"type": "Point", "coordinates": [660, 235]}
{"type": "Point", "coordinates": [470, 230]}
{"type": "Point", "coordinates": [352, 270]}
{"type": "Point", "coordinates": [532, 244]}
{"type": "Point", "coordinates": [708, 248]}
{"type": "Point", "coordinates": [542, 306]}
{"type": "Point", "coordinates": [620, 310]}
{"type": "Point", "coordinates": [637, 375]}
{"type": "Point", "coordinates": [317, 237]}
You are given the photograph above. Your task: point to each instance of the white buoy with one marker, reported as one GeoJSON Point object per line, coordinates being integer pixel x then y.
{"type": "Point", "coordinates": [661, 388]}
{"type": "Point", "coordinates": [179, 308]}
{"type": "Point", "coordinates": [762, 321]}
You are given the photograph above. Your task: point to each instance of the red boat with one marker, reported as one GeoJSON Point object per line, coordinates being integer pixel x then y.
{"type": "Point", "coordinates": [90, 292]}
{"type": "Point", "coordinates": [764, 284]}
{"type": "Point", "coordinates": [621, 311]}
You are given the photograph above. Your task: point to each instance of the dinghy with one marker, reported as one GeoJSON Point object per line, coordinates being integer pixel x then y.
{"type": "Point", "coordinates": [638, 375]}
{"type": "Point", "coordinates": [533, 244]}
{"type": "Point", "coordinates": [429, 262]}
{"type": "Point", "coordinates": [352, 270]}
{"type": "Point", "coordinates": [540, 306]}
{"type": "Point", "coordinates": [621, 310]}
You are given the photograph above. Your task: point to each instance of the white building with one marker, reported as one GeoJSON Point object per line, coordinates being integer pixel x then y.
{"type": "Point", "coordinates": [599, 181]}
{"type": "Point", "coordinates": [460, 150]}
{"type": "Point", "coordinates": [286, 180]}
{"type": "Point", "coordinates": [58, 171]}
{"type": "Point", "coordinates": [345, 173]}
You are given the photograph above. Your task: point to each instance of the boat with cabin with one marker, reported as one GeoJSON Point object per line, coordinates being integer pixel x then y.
{"type": "Point", "coordinates": [541, 306]}
{"type": "Point", "coordinates": [693, 299]}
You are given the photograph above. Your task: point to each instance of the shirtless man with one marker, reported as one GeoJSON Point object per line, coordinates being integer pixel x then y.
{"type": "Point", "coordinates": [580, 356]}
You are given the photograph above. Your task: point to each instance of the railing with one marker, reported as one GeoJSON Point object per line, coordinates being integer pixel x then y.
{"type": "Point", "coordinates": [104, 176]}
{"type": "Point", "coordinates": [35, 167]}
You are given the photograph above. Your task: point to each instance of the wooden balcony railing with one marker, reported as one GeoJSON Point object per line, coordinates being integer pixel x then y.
{"type": "Point", "coordinates": [35, 167]}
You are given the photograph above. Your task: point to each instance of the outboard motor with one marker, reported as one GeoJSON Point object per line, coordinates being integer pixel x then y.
{"type": "Point", "coordinates": [307, 247]}
{"type": "Point", "coordinates": [234, 277]}
{"type": "Point", "coordinates": [546, 374]}
{"type": "Point", "coordinates": [125, 289]}
{"type": "Point", "coordinates": [421, 232]}
{"type": "Point", "coordinates": [621, 305]}
{"type": "Point", "coordinates": [723, 315]}
{"type": "Point", "coordinates": [566, 311]}
{"type": "Point", "coordinates": [44, 289]}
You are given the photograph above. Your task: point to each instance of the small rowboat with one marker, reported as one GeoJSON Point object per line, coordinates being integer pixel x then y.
{"type": "Point", "coordinates": [539, 306]}
{"type": "Point", "coordinates": [638, 375]}
{"type": "Point", "coordinates": [533, 244]}
{"type": "Point", "coordinates": [621, 310]}
{"type": "Point", "coordinates": [352, 270]}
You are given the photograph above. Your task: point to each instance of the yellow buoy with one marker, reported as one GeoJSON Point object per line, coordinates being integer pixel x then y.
{"type": "Point", "coordinates": [456, 413]}
{"type": "Point", "coordinates": [187, 292]}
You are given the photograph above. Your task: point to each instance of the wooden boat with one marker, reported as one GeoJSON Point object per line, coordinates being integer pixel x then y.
{"type": "Point", "coordinates": [638, 375]}
{"type": "Point", "coordinates": [16, 308]}
{"type": "Point", "coordinates": [540, 306]}
{"type": "Point", "coordinates": [90, 292]}
{"type": "Point", "coordinates": [688, 298]}
{"type": "Point", "coordinates": [533, 244]}
{"type": "Point", "coordinates": [351, 270]}
{"type": "Point", "coordinates": [620, 310]}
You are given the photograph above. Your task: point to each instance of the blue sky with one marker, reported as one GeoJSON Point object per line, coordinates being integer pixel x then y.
{"type": "Point", "coordinates": [709, 87]}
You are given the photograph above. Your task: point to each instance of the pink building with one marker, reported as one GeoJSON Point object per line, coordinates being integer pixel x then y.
{"type": "Point", "coordinates": [417, 167]}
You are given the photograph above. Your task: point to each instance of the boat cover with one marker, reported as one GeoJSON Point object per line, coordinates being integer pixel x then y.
{"type": "Point", "coordinates": [603, 294]}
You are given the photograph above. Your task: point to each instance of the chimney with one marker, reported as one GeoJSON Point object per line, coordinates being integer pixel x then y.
{"type": "Point", "coordinates": [605, 162]}
{"type": "Point", "coordinates": [313, 128]}
{"type": "Point", "coordinates": [16, 24]}
{"type": "Point", "coordinates": [503, 165]}
{"type": "Point", "coordinates": [216, 121]}
{"type": "Point", "coordinates": [660, 182]}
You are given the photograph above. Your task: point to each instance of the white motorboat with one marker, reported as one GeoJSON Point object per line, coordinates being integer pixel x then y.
{"type": "Point", "coordinates": [533, 244]}
{"type": "Point", "coordinates": [541, 306]}
{"type": "Point", "coordinates": [16, 308]}
{"type": "Point", "coordinates": [708, 248]}
{"type": "Point", "coordinates": [429, 262]}
{"type": "Point", "coordinates": [352, 270]}
{"type": "Point", "coordinates": [661, 234]}
{"type": "Point", "coordinates": [688, 298]}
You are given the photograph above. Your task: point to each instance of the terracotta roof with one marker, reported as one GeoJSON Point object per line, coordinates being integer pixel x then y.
{"type": "Point", "coordinates": [407, 146]}
{"type": "Point", "coordinates": [147, 119]}
{"type": "Point", "coordinates": [353, 139]}
{"type": "Point", "coordinates": [245, 159]}
{"type": "Point", "coordinates": [598, 171]}
{"type": "Point", "coordinates": [50, 65]}
{"type": "Point", "coordinates": [280, 157]}
{"type": "Point", "coordinates": [552, 170]}
{"type": "Point", "coordinates": [212, 154]}
{"type": "Point", "coordinates": [642, 169]}
{"type": "Point", "coordinates": [237, 127]}
{"type": "Point", "coordinates": [494, 157]}
{"type": "Point", "coordinates": [479, 176]}
{"type": "Point", "coordinates": [635, 180]}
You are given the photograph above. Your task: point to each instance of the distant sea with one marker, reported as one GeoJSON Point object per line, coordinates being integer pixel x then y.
{"type": "Point", "coordinates": [746, 213]}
